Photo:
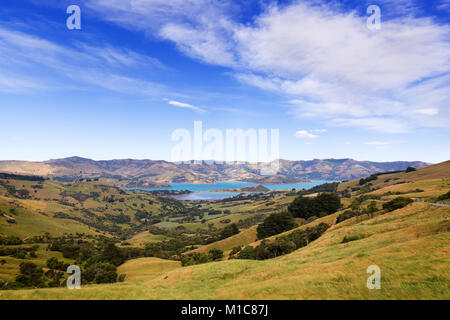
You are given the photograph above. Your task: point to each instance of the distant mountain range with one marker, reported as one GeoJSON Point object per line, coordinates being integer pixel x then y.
{"type": "Point", "coordinates": [150, 173]}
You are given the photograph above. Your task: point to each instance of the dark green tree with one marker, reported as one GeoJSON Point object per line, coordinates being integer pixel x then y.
{"type": "Point", "coordinates": [215, 254]}
{"type": "Point", "coordinates": [276, 223]}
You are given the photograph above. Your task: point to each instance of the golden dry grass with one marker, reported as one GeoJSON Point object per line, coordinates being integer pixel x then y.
{"type": "Point", "coordinates": [410, 245]}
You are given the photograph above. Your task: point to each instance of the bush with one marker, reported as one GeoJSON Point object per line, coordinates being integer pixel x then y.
{"type": "Point", "coordinates": [353, 237]}
{"type": "Point", "coordinates": [248, 253]}
{"type": "Point", "coordinates": [100, 273]}
{"type": "Point", "coordinates": [324, 204]}
{"type": "Point", "coordinates": [215, 254]}
{"type": "Point", "coordinates": [368, 179]}
{"type": "Point", "coordinates": [30, 276]}
{"type": "Point", "coordinates": [410, 169]}
{"type": "Point", "coordinates": [27, 268]}
{"type": "Point", "coordinates": [194, 258]}
{"type": "Point", "coordinates": [10, 241]}
{"type": "Point", "coordinates": [328, 203]}
{"type": "Point", "coordinates": [283, 245]}
{"type": "Point", "coordinates": [112, 254]}
{"type": "Point", "coordinates": [347, 215]}
{"type": "Point", "coordinates": [55, 264]}
{"type": "Point", "coordinates": [229, 231]}
{"type": "Point", "coordinates": [396, 204]}
{"type": "Point", "coordinates": [443, 197]}
{"type": "Point", "coordinates": [234, 251]}
{"type": "Point", "coordinates": [276, 223]}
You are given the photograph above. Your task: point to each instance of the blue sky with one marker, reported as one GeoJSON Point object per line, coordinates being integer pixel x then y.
{"type": "Point", "coordinates": [138, 70]}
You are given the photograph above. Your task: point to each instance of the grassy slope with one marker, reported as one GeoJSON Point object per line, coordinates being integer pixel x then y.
{"type": "Point", "coordinates": [146, 269]}
{"type": "Point", "coordinates": [140, 239]}
{"type": "Point", "coordinates": [30, 221]}
{"type": "Point", "coordinates": [244, 237]}
{"type": "Point", "coordinates": [11, 268]}
{"type": "Point", "coordinates": [35, 216]}
{"type": "Point", "coordinates": [439, 173]}
{"type": "Point", "coordinates": [411, 246]}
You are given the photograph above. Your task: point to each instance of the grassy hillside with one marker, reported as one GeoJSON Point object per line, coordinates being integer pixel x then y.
{"type": "Point", "coordinates": [29, 208]}
{"type": "Point", "coordinates": [431, 178]}
{"type": "Point", "coordinates": [411, 246]}
{"type": "Point", "coordinates": [244, 237]}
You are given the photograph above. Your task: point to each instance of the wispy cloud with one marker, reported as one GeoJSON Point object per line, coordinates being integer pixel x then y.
{"type": "Point", "coordinates": [322, 58]}
{"type": "Point", "coordinates": [25, 57]}
{"type": "Point", "coordinates": [185, 105]}
{"type": "Point", "coordinates": [305, 134]}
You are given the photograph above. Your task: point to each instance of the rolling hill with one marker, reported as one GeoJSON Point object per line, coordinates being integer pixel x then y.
{"type": "Point", "coordinates": [149, 173]}
{"type": "Point", "coordinates": [411, 245]}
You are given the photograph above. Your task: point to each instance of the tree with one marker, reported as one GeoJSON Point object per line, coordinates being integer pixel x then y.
{"type": "Point", "coordinates": [324, 204]}
{"type": "Point", "coordinates": [302, 208]}
{"type": "Point", "coordinates": [215, 254]}
{"type": "Point", "coordinates": [328, 203]}
{"type": "Point", "coordinates": [229, 231]}
{"type": "Point", "coordinates": [54, 263]}
{"type": "Point", "coordinates": [396, 203]}
{"type": "Point", "coordinates": [410, 169]}
{"type": "Point", "coordinates": [276, 223]}
{"type": "Point", "coordinates": [372, 208]}
{"type": "Point", "coordinates": [100, 273]}
{"type": "Point", "coordinates": [27, 268]}
{"type": "Point", "coordinates": [112, 254]}
{"type": "Point", "coordinates": [443, 197]}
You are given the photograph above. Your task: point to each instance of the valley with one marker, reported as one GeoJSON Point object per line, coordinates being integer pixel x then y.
{"type": "Point", "coordinates": [136, 244]}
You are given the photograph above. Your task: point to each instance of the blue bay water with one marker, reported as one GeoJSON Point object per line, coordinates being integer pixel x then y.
{"type": "Point", "coordinates": [203, 191]}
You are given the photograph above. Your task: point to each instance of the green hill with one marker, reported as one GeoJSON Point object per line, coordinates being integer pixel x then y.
{"type": "Point", "coordinates": [411, 246]}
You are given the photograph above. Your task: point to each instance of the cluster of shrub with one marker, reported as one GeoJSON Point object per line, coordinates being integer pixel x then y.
{"type": "Point", "coordinates": [12, 191]}
{"type": "Point", "coordinates": [31, 276]}
{"type": "Point", "coordinates": [320, 206]}
{"type": "Point", "coordinates": [396, 204]}
{"type": "Point", "coordinates": [368, 179]}
{"type": "Point", "coordinates": [20, 252]}
{"type": "Point", "coordinates": [100, 223]}
{"type": "Point", "coordinates": [348, 214]}
{"type": "Point", "coordinates": [181, 242]}
{"type": "Point", "coordinates": [10, 241]}
{"type": "Point", "coordinates": [21, 177]}
{"type": "Point", "coordinates": [372, 207]}
{"type": "Point", "coordinates": [226, 232]}
{"type": "Point", "coordinates": [276, 223]}
{"type": "Point", "coordinates": [443, 197]}
{"type": "Point", "coordinates": [213, 254]}
{"type": "Point", "coordinates": [98, 262]}
{"type": "Point", "coordinates": [330, 187]}
{"type": "Point", "coordinates": [353, 237]}
{"type": "Point", "coordinates": [376, 175]}
{"type": "Point", "coordinates": [281, 246]}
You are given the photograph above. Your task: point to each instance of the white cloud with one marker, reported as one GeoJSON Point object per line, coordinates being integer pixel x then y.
{"type": "Point", "coordinates": [321, 130]}
{"type": "Point", "coordinates": [325, 61]}
{"type": "Point", "coordinates": [24, 57]}
{"type": "Point", "coordinates": [444, 5]}
{"type": "Point", "coordinates": [305, 134]}
{"type": "Point", "coordinates": [428, 111]}
{"type": "Point", "coordinates": [17, 84]}
{"type": "Point", "coordinates": [185, 105]}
